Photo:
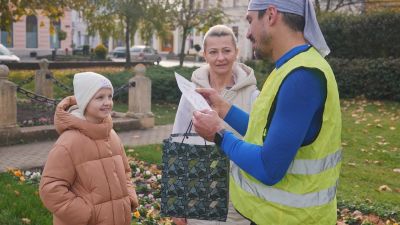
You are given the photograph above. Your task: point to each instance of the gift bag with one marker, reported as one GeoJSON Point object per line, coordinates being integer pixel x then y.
{"type": "Point", "coordinates": [195, 179]}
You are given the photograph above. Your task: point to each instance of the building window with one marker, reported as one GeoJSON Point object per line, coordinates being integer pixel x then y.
{"type": "Point", "coordinates": [7, 38]}
{"type": "Point", "coordinates": [54, 40]}
{"type": "Point", "coordinates": [79, 39]}
{"type": "Point", "coordinates": [31, 32]}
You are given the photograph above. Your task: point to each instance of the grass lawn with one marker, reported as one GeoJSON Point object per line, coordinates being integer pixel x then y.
{"type": "Point", "coordinates": [369, 182]}
{"type": "Point", "coordinates": [148, 153]}
{"type": "Point", "coordinates": [164, 112]}
{"type": "Point", "coordinates": [20, 202]}
{"type": "Point", "coordinates": [371, 144]}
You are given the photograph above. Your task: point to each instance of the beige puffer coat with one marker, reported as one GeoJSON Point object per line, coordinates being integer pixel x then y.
{"type": "Point", "coordinates": [86, 179]}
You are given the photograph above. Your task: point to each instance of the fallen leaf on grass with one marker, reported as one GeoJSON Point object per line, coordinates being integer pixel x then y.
{"type": "Point", "coordinates": [130, 150]}
{"type": "Point", "coordinates": [26, 221]}
{"type": "Point", "coordinates": [384, 188]}
{"type": "Point", "coordinates": [397, 170]}
{"type": "Point", "coordinates": [392, 128]}
{"type": "Point", "coordinates": [16, 193]}
{"type": "Point", "coordinates": [351, 164]}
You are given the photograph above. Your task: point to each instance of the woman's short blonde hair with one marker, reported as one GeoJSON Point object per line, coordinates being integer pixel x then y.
{"type": "Point", "coordinates": [219, 31]}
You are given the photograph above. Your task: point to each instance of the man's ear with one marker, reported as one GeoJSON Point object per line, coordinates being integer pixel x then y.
{"type": "Point", "coordinates": [272, 14]}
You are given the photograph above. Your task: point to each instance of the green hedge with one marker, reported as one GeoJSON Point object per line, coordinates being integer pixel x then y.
{"type": "Point", "coordinates": [164, 87]}
{"type": "Point", "coordinates": [372, 78]}
{"type": "Point", "coordinates": [374, 35]}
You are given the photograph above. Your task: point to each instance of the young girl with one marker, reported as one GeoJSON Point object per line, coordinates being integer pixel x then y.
{"type": "Point", "coordinates": [86, 179]}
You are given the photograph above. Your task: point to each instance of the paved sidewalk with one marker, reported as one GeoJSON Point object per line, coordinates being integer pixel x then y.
{"type": "Point", "coordinates": [35, 154]}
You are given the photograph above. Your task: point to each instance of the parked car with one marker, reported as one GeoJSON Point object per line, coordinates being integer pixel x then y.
{"type": "Point", "coordinates": [145, 54]}
{"type": "Point", "coordinates": [118, 52]}
{"type": "Point", "coordinates": [139, 53]}
{"type": "Point", "coordinates": [7, 56]}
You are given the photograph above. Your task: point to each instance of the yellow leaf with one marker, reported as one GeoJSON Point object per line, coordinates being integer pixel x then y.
{"type": "Point", "coordinates": [26, 221]}
{"type": "Point", "coordinates": [17, 193]}
{"type": "Point", "coordinates": [385, 188]}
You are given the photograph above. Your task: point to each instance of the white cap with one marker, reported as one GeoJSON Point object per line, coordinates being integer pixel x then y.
{"type": "Point", "coordinates": [86, 85]}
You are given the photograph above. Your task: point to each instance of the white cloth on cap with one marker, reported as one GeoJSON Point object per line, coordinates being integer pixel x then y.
{"type": "Point", "coordinates": [86, 85]}
{"type": "Point", "coordinates": [305, 8]}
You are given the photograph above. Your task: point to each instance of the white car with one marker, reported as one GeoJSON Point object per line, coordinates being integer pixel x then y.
{"type": "Point", "coordinates": [7, 56]}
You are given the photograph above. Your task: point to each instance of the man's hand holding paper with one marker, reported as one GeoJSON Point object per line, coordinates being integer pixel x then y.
{"type": "Point", "coordinates": [188, 90]}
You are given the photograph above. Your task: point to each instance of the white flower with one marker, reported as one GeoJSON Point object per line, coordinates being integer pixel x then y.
{"type": "Point", "coordinates": [28, 173]}
{"type": "Point", "coordinates": [35, 175]}
{"type": "Point", "coordinates": [147, 172]}
{"type": "Point", "coordinates": [137, 170]}
{"type": "Point", "coordinates": [150, 196]}
{"type": "Point", "coordinates": [159, 177]}
{"type": "Point", "coordinates": [152, 179]}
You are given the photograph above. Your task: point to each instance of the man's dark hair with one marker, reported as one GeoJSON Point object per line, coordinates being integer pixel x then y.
{"type": "Point", "coordinates": [294, 22]}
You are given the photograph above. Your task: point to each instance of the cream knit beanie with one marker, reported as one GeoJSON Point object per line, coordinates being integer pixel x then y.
{"type": "Point", "coordinates": [86, 85]}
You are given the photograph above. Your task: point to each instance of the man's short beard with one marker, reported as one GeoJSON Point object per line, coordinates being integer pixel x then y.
{"type": "Point", "coordinates": [258, 54]}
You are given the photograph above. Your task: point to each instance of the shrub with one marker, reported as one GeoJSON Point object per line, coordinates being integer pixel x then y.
{"type": "Point", "coordinates": [100, 51]}
{"type": "Point", "coordinates": [374, 35]}
{"type": "Point", "coordinates": [164, 87]}
{"type": "Point", "coordinates": [372, 78]}
{"type": "Point", "coordinates": [85, 49]}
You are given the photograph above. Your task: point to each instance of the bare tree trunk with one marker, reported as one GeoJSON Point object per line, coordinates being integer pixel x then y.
{"type": "Point", "coordinates": [182, 55]}
{"type": "Point", "coordinates": [317, 7]}
{"type": "Point", "coordinates": [328, 5]}
{"type": "Point", "coordinates": [127, 45]}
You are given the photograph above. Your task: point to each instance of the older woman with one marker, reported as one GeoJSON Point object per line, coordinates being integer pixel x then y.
{"type": "Point", "coordinates": [234, 81]}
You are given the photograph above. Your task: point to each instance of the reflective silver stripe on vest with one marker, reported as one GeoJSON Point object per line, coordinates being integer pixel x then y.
{"type": "Point", "coordinates": [282, 197]}
{"type": "Point", "coordinates": [314, 166]}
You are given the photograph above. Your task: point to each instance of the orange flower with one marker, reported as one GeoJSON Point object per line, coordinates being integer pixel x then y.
{"type": "Point", "coordinates": [17, 173]}
{"type": "Point", "coordinates": [136, 214]}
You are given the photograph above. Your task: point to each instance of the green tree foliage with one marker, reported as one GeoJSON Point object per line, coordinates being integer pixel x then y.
{"type": "Point", "coordinates": [190, 14]}
{"type": "Point", "coordinates": [12, 10]}
{"type": "Point", "coordinates": [121, 18]}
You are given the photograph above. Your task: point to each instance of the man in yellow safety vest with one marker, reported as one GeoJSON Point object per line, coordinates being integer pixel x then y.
{"type": "Point", "coordinates": [286, 169]}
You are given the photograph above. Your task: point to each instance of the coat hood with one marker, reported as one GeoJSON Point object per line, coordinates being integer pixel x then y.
{"type": "Point", "coordinates": [243, 75]}
{"type": "Point", "coordinates": [64, 120]}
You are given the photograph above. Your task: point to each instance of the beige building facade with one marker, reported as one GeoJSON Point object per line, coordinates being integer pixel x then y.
{"type": "Point", "coordinates": [34, 35]}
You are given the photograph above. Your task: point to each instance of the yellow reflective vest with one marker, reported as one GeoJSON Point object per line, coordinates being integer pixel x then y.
{"type": "Point", "coordinates": [307, 193]}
